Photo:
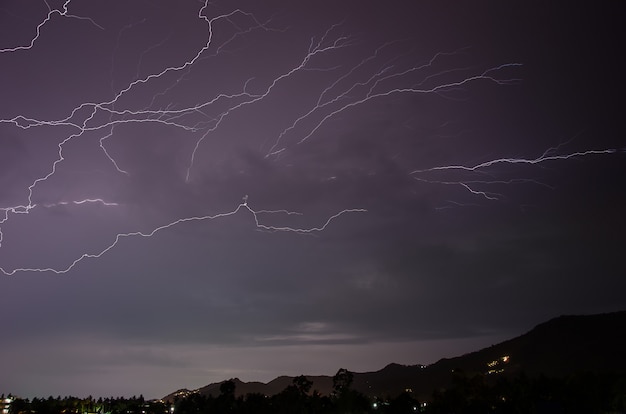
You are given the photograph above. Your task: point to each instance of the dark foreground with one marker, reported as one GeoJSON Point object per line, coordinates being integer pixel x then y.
{"type": "Point", "coordinates": [579, 393]}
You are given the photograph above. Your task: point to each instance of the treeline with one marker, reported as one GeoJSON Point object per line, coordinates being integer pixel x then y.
{"type": "Point", "coordinates": [583, 392]}
{"type": "Point", "coordinates": [297, 398]}
{"type": "Point", "coordinates": [75, 405]}
{"type": "Point", "coordinates": [587, 393]}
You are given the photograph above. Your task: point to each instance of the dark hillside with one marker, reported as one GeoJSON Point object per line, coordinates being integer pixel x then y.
{"type": "Point", "coordinates": [557, 348]}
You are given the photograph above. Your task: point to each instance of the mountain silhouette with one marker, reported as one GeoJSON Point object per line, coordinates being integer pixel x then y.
{"type": "Point", "coordinates": [557, 348]}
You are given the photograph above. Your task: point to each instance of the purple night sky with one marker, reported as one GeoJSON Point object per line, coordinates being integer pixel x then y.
{"type": "Point", "coordinates": [191, 192]}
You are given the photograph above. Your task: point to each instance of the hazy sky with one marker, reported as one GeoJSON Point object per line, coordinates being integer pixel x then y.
{"type": "Point", "coordinates": [191, 192]}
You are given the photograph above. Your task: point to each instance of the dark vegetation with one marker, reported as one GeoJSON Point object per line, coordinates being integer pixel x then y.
{"type": "Point", "coordinates": [581, 393]}
{"type": "Point", "coordinates": [573, 364]}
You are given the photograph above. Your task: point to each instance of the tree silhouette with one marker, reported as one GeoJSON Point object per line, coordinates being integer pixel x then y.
{"type": "Point", "coordinates": [303, 384]}
{"type": "Point", "coordinates": [342, 381]}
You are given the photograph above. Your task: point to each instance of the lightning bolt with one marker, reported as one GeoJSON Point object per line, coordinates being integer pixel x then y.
{"type": "Point", "coordinates": [483, 168]}
{"type": "Point", "coordinates": [241, 207]}
{"type": "Point", "coordinates": [378, 75]}
{"type": "Point", "coordinates": [50, 15]}
{"type": "Point", "coordinates": [538, 160]}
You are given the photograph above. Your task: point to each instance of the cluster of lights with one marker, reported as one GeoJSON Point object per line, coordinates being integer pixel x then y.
{"type": "Point", "coordinates": [6, 403]}
{"type": "Point", "coordinates": [496, 365]}
{"type": "Point", "coordinates": [421, 406]}
{"type": "Point", "coordinates": [185, 393]}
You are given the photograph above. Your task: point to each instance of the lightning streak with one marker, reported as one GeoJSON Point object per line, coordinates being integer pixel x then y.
{"type": "Point", "coordinates": [346, 85]}
{"type": "Point", "coordinates": [377, 78]}
{"type": "Point", "coordinates": [51, 13]}
{"type": "Point", "coordinates": [483, 167]}
{"type": "Point", "coordinates": [120, 236]}
{"type": "Point", "coordinates": [545, 157]}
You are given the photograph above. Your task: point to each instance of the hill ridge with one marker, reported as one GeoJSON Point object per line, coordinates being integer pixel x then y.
{"type": "Point", "coordinates": [557, 347]}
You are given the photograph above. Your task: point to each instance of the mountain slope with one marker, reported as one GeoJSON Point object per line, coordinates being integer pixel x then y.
{"type": "Point", "coordinates": [559, 347]}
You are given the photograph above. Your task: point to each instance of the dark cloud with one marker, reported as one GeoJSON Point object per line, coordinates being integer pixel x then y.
{"type": "Point", "coordinates": [178, 287]}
